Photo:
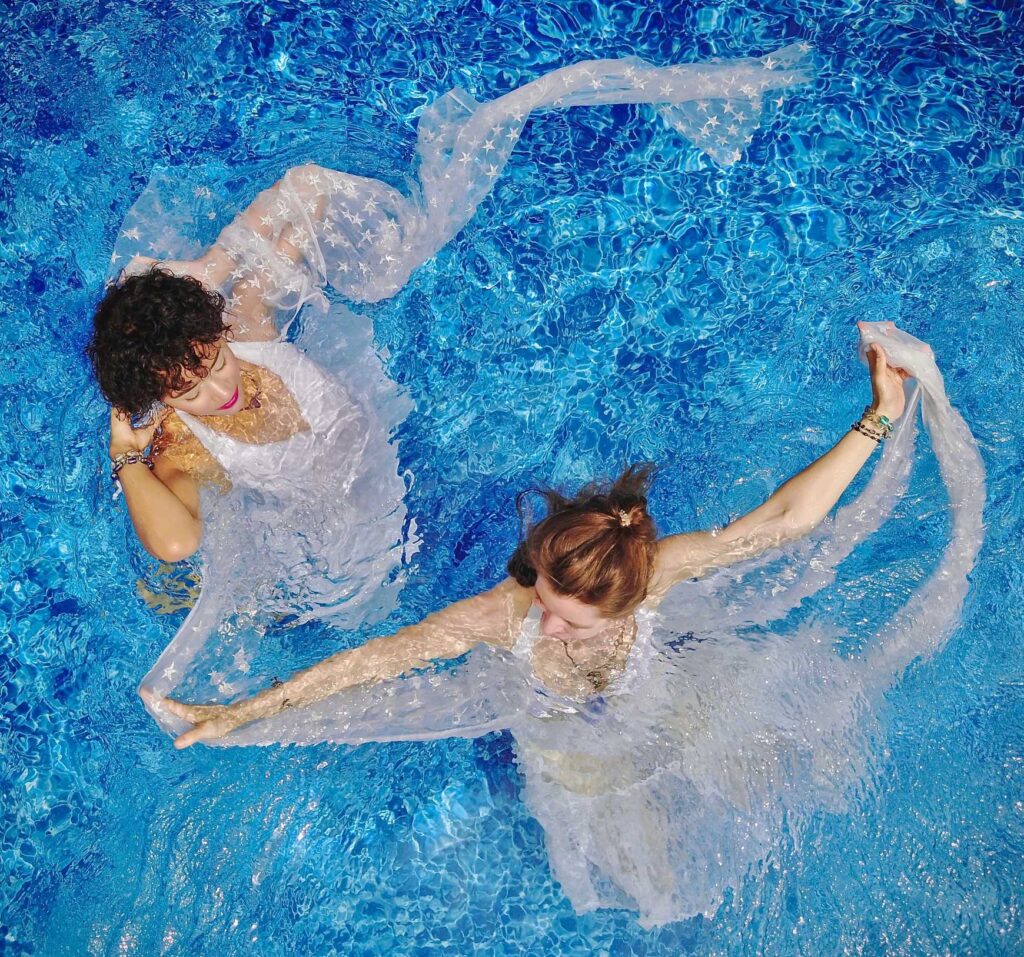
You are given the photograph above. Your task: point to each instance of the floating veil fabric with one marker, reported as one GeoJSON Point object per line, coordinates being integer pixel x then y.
{"type": "Point", "coordinates": [369, 237]}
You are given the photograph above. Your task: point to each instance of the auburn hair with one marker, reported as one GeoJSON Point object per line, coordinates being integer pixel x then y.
{"type": "Point", "coordinates": [598, 547]}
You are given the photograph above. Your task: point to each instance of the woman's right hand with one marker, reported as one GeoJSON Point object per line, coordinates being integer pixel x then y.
{"type": "Point", "coordinates": [123, 438]}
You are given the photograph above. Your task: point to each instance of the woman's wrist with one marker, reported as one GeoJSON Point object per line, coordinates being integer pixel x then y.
{"type": "Point", "coordinates": [884, 408]}
{"type": "Point", "coordinates": [122, 465]}
{"type": "Point", "coordinates": [136, 458]}
{"type": "Point", "coordinates": [874, 424]}
{"type": "Point", "coordinates": [123, 448]}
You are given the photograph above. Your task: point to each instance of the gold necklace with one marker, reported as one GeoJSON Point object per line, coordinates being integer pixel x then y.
{"type": "Point", "coordinates": [256, 394]}
{"type": "Point", "coordinates": [596, 675]}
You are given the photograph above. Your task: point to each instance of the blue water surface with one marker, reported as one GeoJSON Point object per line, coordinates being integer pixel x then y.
{"type": "Point", "coordinates": [618, 297]}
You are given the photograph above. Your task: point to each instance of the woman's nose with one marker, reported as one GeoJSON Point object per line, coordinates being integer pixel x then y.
{"type": "Point", "coordinates": [221, 390]}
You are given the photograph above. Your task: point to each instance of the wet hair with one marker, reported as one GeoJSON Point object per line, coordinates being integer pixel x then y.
{"type": "Point", "coordinates": [598, 547]}
{"type": "Point", "coordinates": [148, 334]}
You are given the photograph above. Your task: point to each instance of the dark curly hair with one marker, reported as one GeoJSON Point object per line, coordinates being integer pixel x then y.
{"type": "Point", "coordinates": [598, 546]}
{"type": "Point", "coordinates": [146, 331]}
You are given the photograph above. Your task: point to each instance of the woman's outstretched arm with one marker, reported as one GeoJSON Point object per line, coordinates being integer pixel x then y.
{"type": "Point", "coordinates": [295, 194]}
{"type": "Point", "coordinates": [491, 617]}
{"type": "Point", "coordinates": [282, 220]}
{"type": "Point", "coordinates": [795, 508]}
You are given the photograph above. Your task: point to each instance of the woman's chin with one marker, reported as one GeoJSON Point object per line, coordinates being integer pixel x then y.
{"type": "Point", "coordinates": [220, 413]}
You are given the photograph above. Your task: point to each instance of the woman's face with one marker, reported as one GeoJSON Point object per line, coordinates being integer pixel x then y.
{"type": "Point", "coordinates": [567, 619]}
{"type": "Point", "coordinates": [219, 392]}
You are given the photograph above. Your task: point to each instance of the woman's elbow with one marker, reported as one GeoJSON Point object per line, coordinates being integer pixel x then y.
{"type": "Point", "coordinates": [793, 523]}
{"type": "Point", "coordinates": [304, 176]}
{"type": "Point", "coordinates": [175, 549]}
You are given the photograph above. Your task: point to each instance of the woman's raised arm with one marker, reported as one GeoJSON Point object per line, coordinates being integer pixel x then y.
{"type": "Point", "coordinates": [260, 254]}
{"type": "Point", "coordinates": [796, 507]}
{"type": "Point", "coordinates": [491, 617]}
{"type": "Point", "coordinates": [280, 214]}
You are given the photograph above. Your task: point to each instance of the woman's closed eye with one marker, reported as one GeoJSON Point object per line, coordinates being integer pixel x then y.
{"type": "Point", "coordinates": [222, 360]}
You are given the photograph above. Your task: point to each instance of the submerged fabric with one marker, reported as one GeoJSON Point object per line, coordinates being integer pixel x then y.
{"type": "Point", "coordinates": [663, 799]}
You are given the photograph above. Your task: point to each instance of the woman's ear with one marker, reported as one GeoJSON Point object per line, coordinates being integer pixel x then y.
{"type": "Point", "coordinates": [520, 568]}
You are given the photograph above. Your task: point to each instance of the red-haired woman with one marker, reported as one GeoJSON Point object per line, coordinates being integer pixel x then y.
{"type": "Point", "coordinates": [663, 771]}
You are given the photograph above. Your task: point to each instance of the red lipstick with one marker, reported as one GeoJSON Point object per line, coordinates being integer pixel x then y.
{"type": "Point", "coordinates": [227, 405]}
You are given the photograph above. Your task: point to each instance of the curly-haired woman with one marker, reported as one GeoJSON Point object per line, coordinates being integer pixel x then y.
{"type": "Point", "coordinates": [225, 386]}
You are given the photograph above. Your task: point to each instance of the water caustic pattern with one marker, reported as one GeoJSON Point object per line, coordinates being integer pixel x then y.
{"type": "Point", "coordinates": [617, 296]}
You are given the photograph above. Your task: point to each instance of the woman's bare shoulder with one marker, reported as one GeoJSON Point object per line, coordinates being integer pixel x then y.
{"type": "Point", "coordinates": [177, 448]}
{"type": "Point", "coordinates": [497, 614]}
{"type": "Point", "coordinates": [679, 557]}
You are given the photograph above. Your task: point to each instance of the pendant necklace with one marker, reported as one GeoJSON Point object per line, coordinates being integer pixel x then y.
{"type": "Point", "coordinates": [255, 393]}
{"type": "Point", "coordinates": [594, 675]}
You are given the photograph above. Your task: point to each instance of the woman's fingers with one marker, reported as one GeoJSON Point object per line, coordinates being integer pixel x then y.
{"type": "Point", "coordinates": [189, 738]}
{"type": "Point", "coordinates": [877, 361]}
{"type": "Point", "coordinates": [204, 731]}
{"type": "Point", "coordinates": [208, 720]}
{"type": "Point", "coordinates": [193, 713]}
{"type": "Point", "coordinates": [178, 708]}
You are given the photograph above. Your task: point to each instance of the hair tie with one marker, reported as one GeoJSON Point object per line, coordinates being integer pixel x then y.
{"type": "Point", "coordinates": [625, 520]}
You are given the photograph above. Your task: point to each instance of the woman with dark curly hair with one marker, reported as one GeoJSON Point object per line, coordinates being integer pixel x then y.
{"type": "Point", "coordinates": [215, 379]}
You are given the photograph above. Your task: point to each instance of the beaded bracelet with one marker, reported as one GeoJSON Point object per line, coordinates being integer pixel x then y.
{"type": "Point", "coordinates": [874, 419]}
{"type": "Point", "coordinates": [870, 433]}
{"type": "Point", "coordinates": [127, 458]}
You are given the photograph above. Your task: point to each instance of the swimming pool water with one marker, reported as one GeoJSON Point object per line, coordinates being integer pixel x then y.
{"type": "Point", "coordinates": [617, 298]}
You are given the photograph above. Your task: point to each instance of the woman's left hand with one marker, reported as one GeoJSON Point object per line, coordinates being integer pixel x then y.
{"type": "Point", "coordinates": [210, 721]}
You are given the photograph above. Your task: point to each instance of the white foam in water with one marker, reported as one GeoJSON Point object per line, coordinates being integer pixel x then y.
{"type": "Point", "coordinates": [675, 784]}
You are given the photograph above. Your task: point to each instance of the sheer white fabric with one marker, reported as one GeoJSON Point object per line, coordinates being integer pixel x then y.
{"type": "Point", "coordinates": [666, 798]}
{"type": "Point", "coordinates": [313, 526]}
{"type": "Point", "coordinates": [365, 238]}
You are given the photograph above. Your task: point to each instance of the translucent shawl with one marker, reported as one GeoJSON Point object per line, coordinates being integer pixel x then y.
{"type": "Point", "coordinates": [674, 784]}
